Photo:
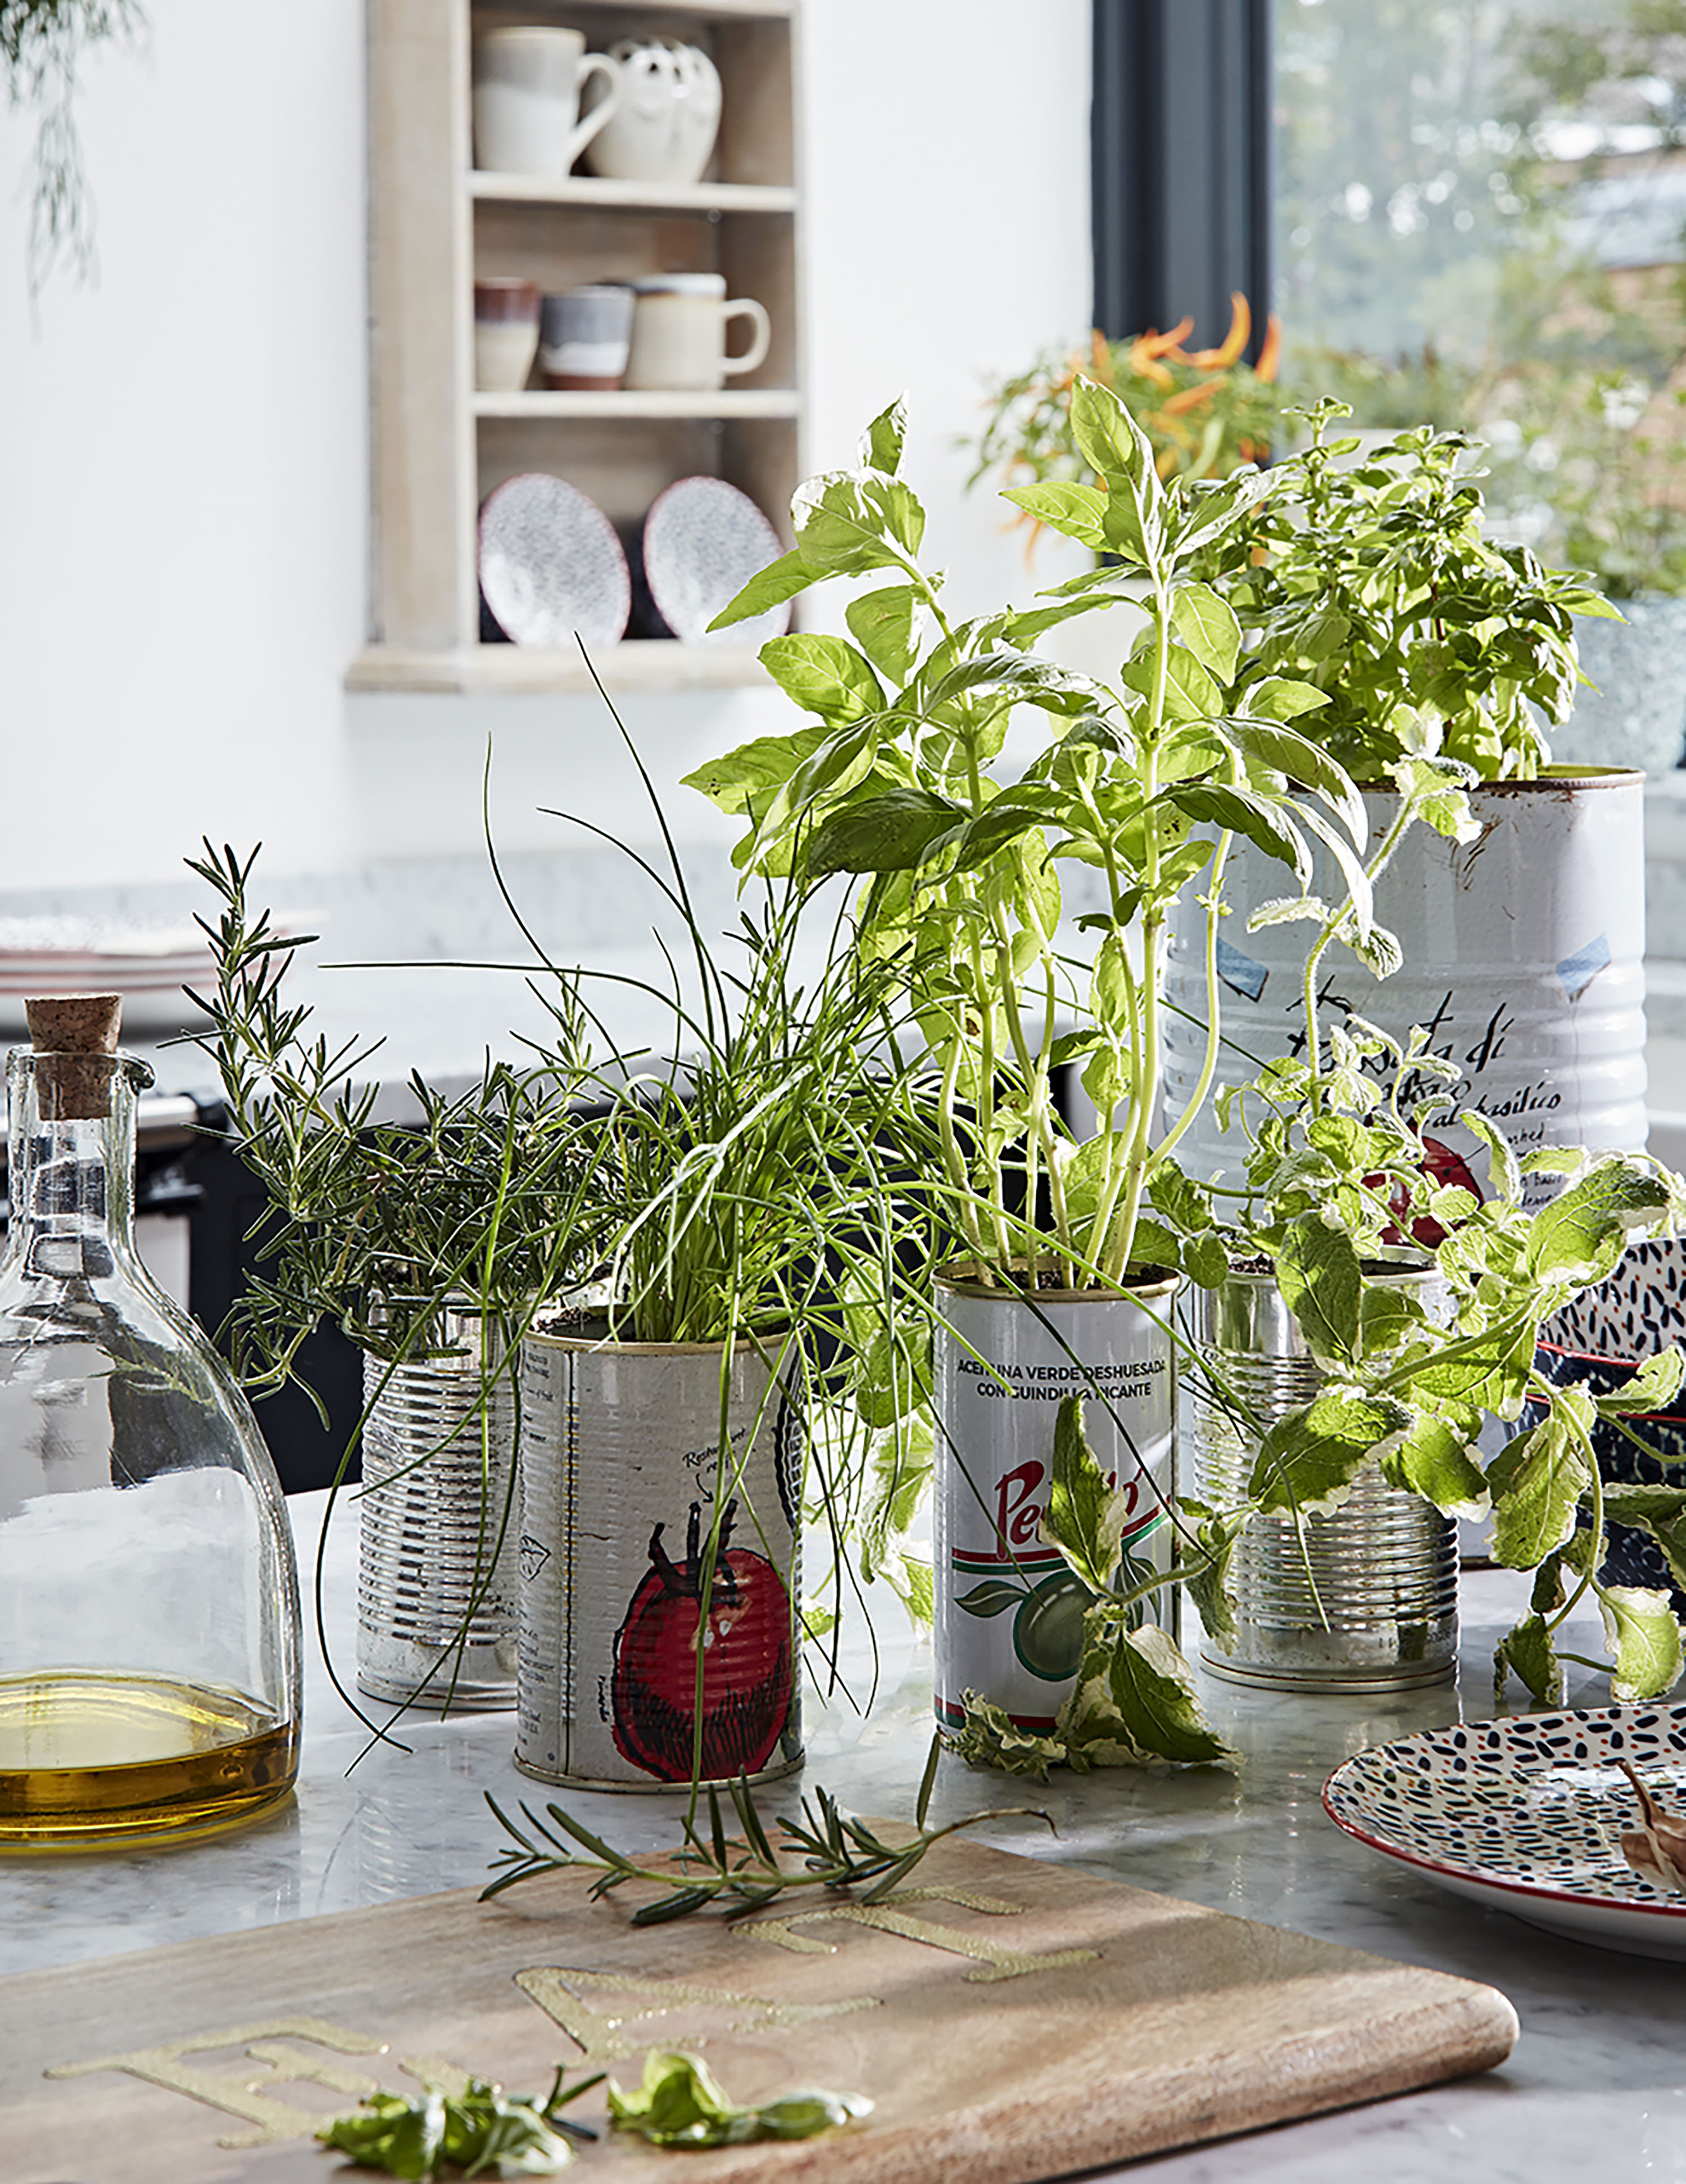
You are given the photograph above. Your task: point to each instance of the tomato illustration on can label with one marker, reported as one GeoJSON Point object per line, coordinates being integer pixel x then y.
{"type": "Point", "coordinates": [742, 1633]}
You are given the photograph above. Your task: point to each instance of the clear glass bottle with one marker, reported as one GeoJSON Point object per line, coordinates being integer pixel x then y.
{"type": "Point", "coordinates": [149, 1632]}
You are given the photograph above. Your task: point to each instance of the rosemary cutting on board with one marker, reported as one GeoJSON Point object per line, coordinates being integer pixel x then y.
{"type": "Point", "coordinates": [742, 1873]}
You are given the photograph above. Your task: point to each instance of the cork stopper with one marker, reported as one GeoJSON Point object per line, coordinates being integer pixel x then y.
{"type": "Point", "coordinates": [77, 1031]}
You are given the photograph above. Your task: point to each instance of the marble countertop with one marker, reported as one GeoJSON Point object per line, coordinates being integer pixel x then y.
{"type": "Point", "coordinates": [1597, 2082]}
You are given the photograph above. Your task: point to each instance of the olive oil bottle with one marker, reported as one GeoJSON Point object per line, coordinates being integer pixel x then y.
{"type": "Point", "coordinates": [149, 1631]}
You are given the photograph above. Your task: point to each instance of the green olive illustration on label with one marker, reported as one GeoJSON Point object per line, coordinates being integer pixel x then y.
{"type": "Point", "coordinates": [1048, 1630]}
{"type": "Point", "coordinates": [1048, 1619]}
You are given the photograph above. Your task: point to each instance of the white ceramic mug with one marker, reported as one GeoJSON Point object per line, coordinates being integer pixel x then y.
{"type": "Point", "coordinates": [679, 325]}
{"type": "Point", "coordinates": [505, 334]}
{"type": "Point", "coordinates": [527, 98]}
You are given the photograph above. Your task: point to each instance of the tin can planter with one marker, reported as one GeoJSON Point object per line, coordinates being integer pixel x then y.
{"type": "Point", "coordinates": [1635, 712]}
{"type": "Point", "coordinates": [1523, 959]}
{"type": "Point", "coordinates": [1363, 1600]}
{"type": "Point", "coordinates": [623, 1487]}
{"type": "Point", "coordinates": [1009, 1611]}
{"type": "Point", "coordinates": [437, 1575]}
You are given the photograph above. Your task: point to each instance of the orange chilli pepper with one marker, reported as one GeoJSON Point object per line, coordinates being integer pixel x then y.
{"type": "Point", "coordinates": [1192, 395]}
{"type": "Point", "coordinates": [1240, 325]}
{"type": "Point", "coordinates": [1269, 356]}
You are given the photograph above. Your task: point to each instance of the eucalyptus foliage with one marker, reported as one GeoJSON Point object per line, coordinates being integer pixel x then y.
{"type": "Point", "coordinates": [1142, 782]}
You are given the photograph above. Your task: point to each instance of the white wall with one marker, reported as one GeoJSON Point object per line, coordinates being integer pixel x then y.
{"type": "Point", "coordinates": [183, 449]}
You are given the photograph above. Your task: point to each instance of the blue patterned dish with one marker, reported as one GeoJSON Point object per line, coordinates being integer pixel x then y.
{"type": "Point", "coordinates": [1525, 1815]}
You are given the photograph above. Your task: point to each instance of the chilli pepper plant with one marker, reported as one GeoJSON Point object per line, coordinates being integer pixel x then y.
{"type": "Point", "coordinates": [1205, 411]}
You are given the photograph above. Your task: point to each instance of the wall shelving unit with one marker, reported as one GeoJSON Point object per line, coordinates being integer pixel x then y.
{"type": "Point", "coordinates": [435, 225]}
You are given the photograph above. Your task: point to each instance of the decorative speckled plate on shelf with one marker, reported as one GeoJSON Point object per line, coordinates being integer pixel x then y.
{"type": "Point", "coordinates": [551, 567]}
{"type": "Point", "coordinates": [703, 541]}
{"type": "Point", "coordinates": [1525, 1815]}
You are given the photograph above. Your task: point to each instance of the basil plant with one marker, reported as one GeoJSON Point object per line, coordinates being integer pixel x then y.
{"type": "Point", "coordinates": [1134, 796]}
{"type": "Point", "coordinates": [1370, 577]}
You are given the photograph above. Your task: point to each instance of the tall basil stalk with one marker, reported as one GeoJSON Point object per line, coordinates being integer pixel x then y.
{"type": "Point", "coordinates": [1143, 783]}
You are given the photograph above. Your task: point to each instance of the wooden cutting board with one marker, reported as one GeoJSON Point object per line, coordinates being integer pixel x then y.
{"type": "Point", "coordinates": [1012, 2019]}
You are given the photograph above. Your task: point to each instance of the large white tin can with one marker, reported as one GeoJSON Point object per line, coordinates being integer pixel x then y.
{"type": "Point", "coordinates": [1523, 961]}
{"type": "Point", "coordinates": [629, 1472]}
{"type": "Point", "coordinates": [1009, 1611]}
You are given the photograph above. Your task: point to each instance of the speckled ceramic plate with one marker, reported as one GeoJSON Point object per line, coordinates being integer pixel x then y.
{"type": "Point", "coordinates": [551, 568]}
{"type": "Point", "coordinates": [703, 541]}
{"type": "Point", "coordinates": [1525, 1815]}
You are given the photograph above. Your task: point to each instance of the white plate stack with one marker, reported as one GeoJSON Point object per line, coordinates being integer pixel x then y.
{"type": "Point", "coordinates": [149, 965]}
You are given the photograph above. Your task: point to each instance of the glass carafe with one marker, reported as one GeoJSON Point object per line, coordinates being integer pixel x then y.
{"type": "Point", "coordinates": [149, 1635]}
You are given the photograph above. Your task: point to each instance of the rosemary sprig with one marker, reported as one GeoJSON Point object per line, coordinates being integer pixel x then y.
{"type": "Point", "coordinates": [740, 1874]}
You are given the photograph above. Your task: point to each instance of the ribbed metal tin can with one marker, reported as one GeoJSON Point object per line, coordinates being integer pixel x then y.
{"type": "Point", "coordinates": [1365, 1599]}
{"type": "Point", "coordinates": [1009, 1610]}
{"type": "Point", "coordinates": [1523, 961]}
{"type": "Point", "coordinates": [639, 1470]}
{"type": "Point", "coordinates": [437, 1577]}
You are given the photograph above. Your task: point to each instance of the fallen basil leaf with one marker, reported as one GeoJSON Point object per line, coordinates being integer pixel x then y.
{"type": "Point", "coordinates": [681, 2104]}
{"type": "Point", "coordinates": [484, 2132]}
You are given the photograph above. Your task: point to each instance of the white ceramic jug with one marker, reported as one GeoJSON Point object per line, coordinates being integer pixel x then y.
{"type": "Point", "coordinates": [664, 128]}
{"type": "Point", "coordinates": [527, 81]}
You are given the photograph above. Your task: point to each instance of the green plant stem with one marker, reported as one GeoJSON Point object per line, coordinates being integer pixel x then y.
{"type": "Point", "coordinates": [1378, 864]}
{"type": "Point", "coordinates": [1209, 1061]}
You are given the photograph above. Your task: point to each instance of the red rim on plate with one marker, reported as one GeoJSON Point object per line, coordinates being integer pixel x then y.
{"type": "Point", "coordinates": [1413, 1800]}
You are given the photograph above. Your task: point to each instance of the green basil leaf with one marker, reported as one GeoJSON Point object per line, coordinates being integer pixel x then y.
{"type": "Point", "coordinates": [1285, 751]}
{"type": "Point", "coordinates": [881, 623]}
{"type": "Point", "coordinates": [768, 588]}
{"type": "Point", "coordinates": [1039, 681]}
{"type": "Point", "coordinates": [889, 832]}
{"type": "Point", "coordinates": [1281, 698]}
{"type": "Point", "coordinates": [882, 443]}
{"type": "Point", "coordinates": [825, 675]}
{"type": "Point", "coordinates": [1239, 811]}
{"type": "Point", "coordinates": [1075, 511]}
{"type": "Point", "coordinates": [1206, 624]}
{"type": "Point", "coordinates": [1108, 439]}
{"type": "Point", "coordinates": [848, 524]}
{"type": "Point", "coordinates": [740, 780]}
